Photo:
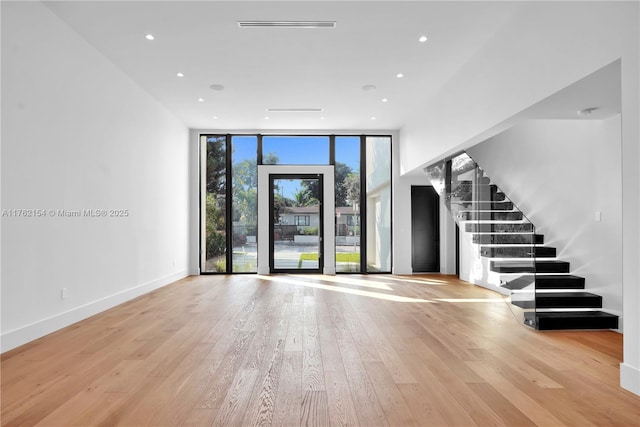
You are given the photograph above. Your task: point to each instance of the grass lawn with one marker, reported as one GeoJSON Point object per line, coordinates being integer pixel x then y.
{"type": "Point", "coordinates": [340, 257]}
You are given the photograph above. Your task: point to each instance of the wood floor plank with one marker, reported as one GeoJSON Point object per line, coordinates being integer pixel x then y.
{"type": "Point", "coordinates": [288, 406]}
{"type": "Point", "coordinates": [422, 406]}
{"type": "Point", "coordinates": [365, 399]}
{"type": "Point", "coordinates": [392, 362]}
{"type": "Point", "coordinates": [290, 350]}
{"type": "Point", "coordinates": [499, 379]}
{"type": "Point", "coordinates": [296, 321]}
{"type": "Point", "coordinates": [395, 408]}
{"type": "Point", "coordinates": [500, 405]}
{"type": "Point", "coordinates": [443, 403]}
{"type": "Point", "coordinates": [262, 402]}
{"type": "Point", "coordinates": [314, 408]}
{"type": "Point", "coordinates": [233, 408]}
{"type": "Point", "coordinates": [340, 404]}
{"type": "Point", "coordinates": [312, 370]}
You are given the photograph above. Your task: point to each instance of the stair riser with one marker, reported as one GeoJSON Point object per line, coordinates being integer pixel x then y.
{"type": "Point", "coordinates": [549, 324]}
{"type": "Point", "coordinates": [569, 282]}
{"type": "Point", "coordinates": [586, 302]}
{"type": "Point", "coordinates": [594, 301]}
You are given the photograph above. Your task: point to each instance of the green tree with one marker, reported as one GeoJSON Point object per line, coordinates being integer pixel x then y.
{"type": "Point", "coordinates": [215, 227]}
{"type": "Point", "coordinates": [245, 192]}
{"type": "Point", "coordinates": [216, 164]}
{"type": "Point", "coordinates": [280, 203]}
{"type": "Point", "coordinates": [351, 186]}
{"type": "Point", "coordinates": [304, 197]}
{"type": "Point", "coordinates": [341, 171]}
{"type": "Point", "coordinates": [215, 196]}
{"type": "Point", "coordinates": [245, 189]}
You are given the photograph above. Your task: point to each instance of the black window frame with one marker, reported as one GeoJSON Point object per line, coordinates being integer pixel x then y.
{"type": "Point", "coordinates": [259, 162]}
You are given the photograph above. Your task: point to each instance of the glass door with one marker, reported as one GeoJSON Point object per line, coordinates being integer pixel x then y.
{"type": "Point", "coordinates": [295, 223]}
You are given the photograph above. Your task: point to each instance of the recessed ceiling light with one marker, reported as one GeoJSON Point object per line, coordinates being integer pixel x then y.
{"type": "Point", "coordinates": [373, 118]}
{"type": "Point", "coordinates": [368, 88]}
{"type": "Point", "coordinates": [321, 118]}
{"type": "Point", "coordinates": [587, 111]}
{"type": "Point", "coordinates": [266, 118]}
{"type": "Point", "coordinates": [384, 99]}
{"type": "Point", "coordinates": [179, 74]}
{"type": "Point", "coordinates": [422, 39]}
{"type": "Point", "coordinates": [215, 117]}
{"type": "Point", "coordinates": [399, 75]}
{"type": "Point", "coordinates": [149, 36]}
{"type": "Point", "coordinates": [216, 87]}
{"type": "Point", "coordinates": [200, 100]}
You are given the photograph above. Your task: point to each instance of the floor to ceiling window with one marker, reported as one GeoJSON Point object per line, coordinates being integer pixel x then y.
{"type": "Point", "coordinates": [229, 211]}
{"type": "Point", "coordinates": [378, 203]}
{"type": "Point", "coordinates": [244, 199]}
{"type": "Point", "coordinates": [348, 202]}
{"type": "Point", "coordinates": [213, 207]}
{"type": "Point", "coordinates": [295, 150]}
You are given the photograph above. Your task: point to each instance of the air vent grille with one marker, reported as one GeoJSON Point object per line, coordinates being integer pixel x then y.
{"type": "Point", "coordinates": [287, 24]}
{"type": "Point", "coordinates": [294, 110]}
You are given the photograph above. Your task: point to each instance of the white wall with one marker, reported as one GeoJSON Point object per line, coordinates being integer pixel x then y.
{"type": "Point", "coordinates": [77, 133]}
{"type": "Point", "coordinates": [560, 173]}
{"type": "Point", "coordinates": [518, 68]}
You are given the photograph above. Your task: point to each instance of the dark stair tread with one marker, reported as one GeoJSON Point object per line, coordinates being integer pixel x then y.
{"type": "Point", "coordinates": [492, 206]}
{"type": "Point", "coordinates": [517, 251]}
{"type": "Point", "coordinates": [556, 320]}
{"type": "Point", "coordinates": [559, 281]}
{"type": "Point", "coordinates": [546, 281]}
{"type": "Point", "coordinates": [527, 267]}
{"type": "Point", "coordinates": [562, 300]}
{"type": "Point", "coordinates": [508, 238]}
{"type": "Point", "coordinates": [489, 215]}
{"type": "Point", "coordinates": [499, 227]}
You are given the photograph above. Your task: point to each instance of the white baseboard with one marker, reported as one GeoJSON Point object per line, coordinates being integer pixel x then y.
{"type": "Point", "coordinates": [19, 336]}
{"type": "Point", "coordinates": [630, 378]}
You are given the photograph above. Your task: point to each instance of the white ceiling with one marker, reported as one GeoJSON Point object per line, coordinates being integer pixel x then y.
{"type": "Point", "coordinates": [311, 68]}
{"type": "Point", "coordinates": [288, 68]}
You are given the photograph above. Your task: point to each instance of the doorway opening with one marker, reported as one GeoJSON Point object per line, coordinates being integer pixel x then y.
{"type": "Point", "coordinates": [295, 223]}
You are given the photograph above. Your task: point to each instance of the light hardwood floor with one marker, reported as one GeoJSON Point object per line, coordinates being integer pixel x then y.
{"type": "Point", "coordinates": [316, 350]}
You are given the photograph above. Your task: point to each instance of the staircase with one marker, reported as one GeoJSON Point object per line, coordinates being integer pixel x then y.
{"type": "Point", "coordinates": [551, 298]}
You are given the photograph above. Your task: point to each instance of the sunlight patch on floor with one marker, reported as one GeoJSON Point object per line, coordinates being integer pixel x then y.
{"type": "Point", "coordinates": [370, 294]}
{"type": "Point", "coordinates": [349, 280]}
{"type": "Point", "coordinates": [419, 281]}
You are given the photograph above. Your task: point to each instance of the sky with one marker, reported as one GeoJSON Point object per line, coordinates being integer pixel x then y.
{"type": "Point", "coordinates": [299, 150]}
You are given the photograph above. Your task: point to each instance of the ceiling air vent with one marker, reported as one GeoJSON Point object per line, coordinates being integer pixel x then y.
{"type": "Point", "coordinates": [287, 24]}
{"type": "Point", "coordinates": [294, 110]}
